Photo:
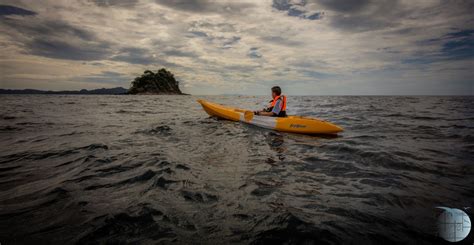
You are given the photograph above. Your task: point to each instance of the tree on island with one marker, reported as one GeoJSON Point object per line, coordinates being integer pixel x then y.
{"type": "Point", "coordinates": [162, 82]}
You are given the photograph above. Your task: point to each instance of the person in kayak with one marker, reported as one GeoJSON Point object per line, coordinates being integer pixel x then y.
{"type": "Point", "coordinates": [277, 107]}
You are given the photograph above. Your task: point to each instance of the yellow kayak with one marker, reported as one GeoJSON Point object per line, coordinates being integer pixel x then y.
{"type": "Point", "coordinates": [293, 124]}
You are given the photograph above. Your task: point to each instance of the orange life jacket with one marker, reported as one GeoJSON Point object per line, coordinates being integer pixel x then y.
{"type": "Point", "coordinates": [283, 105]}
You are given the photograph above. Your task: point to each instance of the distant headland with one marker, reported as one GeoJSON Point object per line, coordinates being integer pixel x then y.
{"type": "Point", "coordinates": [101, 91]}
{"type": "Point", "coordinates": [161, 82]}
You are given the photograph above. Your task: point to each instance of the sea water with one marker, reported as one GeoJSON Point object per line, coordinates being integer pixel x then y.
{"type": "Point", "coordinates": [158, 169]}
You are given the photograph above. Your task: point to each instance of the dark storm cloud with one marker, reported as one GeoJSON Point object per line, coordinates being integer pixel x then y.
{"type": "Point", "coordinates": [368, 15]}
{"type": "Point", "coordinates": [115, 3]}
{"type": "Point", "coordinates": [36, 27]}
{"type": "Point", "coordinates": [56, 39]}
{"type": "Point", "coordinates": [363, 15]}
{"type": "Point", "coordinates": [191, 5]}
{"type": "Point", "coordinates": [61, 40]}
{"type": "Point", "coordinates": [206, 6]}
{"type": "Point", "coordinates": [60, 49]}
{"type": "Point", "coordinates": [348, 6]}
{"type": "Point", "coordinates": [361, 23]}
{"type": "Point", "coordinates": [360, 16]}
{"type": "Point", "coordinates": [12, 10]}
{"type": "Point", "coordinates": [347, 15]}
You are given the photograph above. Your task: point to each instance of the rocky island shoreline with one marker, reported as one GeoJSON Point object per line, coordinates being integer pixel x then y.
{"type": "Point", "coordinates": [161, 82]}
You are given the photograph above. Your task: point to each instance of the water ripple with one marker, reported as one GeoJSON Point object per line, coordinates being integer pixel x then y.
{"type": "Point", "coordinates": [157, 169]}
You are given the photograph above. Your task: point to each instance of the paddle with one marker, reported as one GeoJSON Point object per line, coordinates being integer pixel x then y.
{"type": "Point", "coordinates": [248, 115]}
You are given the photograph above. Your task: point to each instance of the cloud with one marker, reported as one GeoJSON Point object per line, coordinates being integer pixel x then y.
{"type": "Point", "coordinates": [366, 15]}
{"type": "Point", "coordinates": [355, 16]}
{"type": "Point", "coordinates": [360, 16]}
{"type": "Point", "coordinates": [221, 35]}
{"type": "Point", "coordinates": [115, 3]}
{"type": "Point", "coordinates": [207, 6]}
{"type": "Point", "coordinates": [459, 44]}
{"type": "Point", "coordinates": [228, 42]}
{"type": "Point", "coordinates": [346, 6]}
{"type": "Point", "coordinates": [12, 10]}
{"type": "Point", "coordinates": [54, 28]}
{"type": "Point", "coordinates": [279, 40]}
{"type": "Point", "coordinates": [254, 53]}
{"type": "Point", "coordinates": [179, 53]}
{"type": "Point", "coordinates": [135, 56]}
{"type": "Point", "coordinates": [141, 56]}
{"type": "Point", "coordinates": [221, 27]}
{"type": "Point", "coordinates": [197, 34]}
{"type": "Point", "coordinates": [308, 46]}
{"type": "Point", "coordinates": [58, 49]}
{"type": "Point", "coordinates": [107, 77]}
{"type": "Point", "coordinates": [56, 39]}
{"type": "Point", "coordinates": [296, 8]}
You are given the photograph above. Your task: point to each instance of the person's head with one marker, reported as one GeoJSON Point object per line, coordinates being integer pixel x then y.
{"type": "Point", "coordinates": [276, 91]}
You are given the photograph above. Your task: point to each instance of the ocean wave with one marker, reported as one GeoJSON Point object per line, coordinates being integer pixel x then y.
{"type": "Point", "coordinates": [153, 169]}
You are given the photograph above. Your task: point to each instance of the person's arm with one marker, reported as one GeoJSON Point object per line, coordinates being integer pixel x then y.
{"type": "Point", "coordinates": [276, 110]}
{"type": "Point", "coordinates": [265, 113]}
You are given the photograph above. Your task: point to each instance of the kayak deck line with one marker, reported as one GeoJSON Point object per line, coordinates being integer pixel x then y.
{"type": "Point", "coordinates": [293, 124]}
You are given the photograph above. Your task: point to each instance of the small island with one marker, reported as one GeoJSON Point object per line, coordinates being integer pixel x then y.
{"type": "Point", "coordinates": [161, 82]}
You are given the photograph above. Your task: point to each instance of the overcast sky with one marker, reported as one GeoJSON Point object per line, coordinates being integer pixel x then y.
{"type": "Point", "coordinates": [309, 47]}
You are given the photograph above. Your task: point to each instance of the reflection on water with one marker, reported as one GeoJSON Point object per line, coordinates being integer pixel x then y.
{"type": "Point", "coordinates": [276, 142]}
{"type": "Point", "coordinates": [157, 169]}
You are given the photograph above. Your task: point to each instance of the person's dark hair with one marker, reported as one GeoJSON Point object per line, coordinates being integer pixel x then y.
{"type": "Point", "coordinates": [276, 90]}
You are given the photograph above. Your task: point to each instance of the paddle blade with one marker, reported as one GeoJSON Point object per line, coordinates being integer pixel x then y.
{"type": "Point", "coordinates": [248, 115]}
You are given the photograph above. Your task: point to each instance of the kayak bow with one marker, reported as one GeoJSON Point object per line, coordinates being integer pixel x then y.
{"type": "Point", "coordinates": [293, 124]}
